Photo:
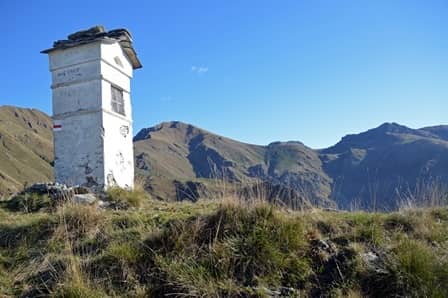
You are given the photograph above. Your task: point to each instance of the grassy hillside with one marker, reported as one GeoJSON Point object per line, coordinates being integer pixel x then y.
{"type": "Point", "coordinates": [26, 148]}
{"type": "Point", "coordinates": [221, 248]}
{"type": "Point", "coordinates": [379, 168]}
{"type": "Point", "coordinates": [178, 151]}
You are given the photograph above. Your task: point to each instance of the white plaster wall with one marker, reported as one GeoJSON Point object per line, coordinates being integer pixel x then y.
{"type": "Point", "coordinates": [112, 75]}
{"type": "Point", "coordinates": [79, 150]}
{"type": "Point", "coordinates": [76, 74]}
{"type": "Point", "coordinates": [118, 151]}
{"type": "Point", "coordinates": [108, 54]}
{"type": "Point", "coordinates": [75, 56]}
{"type": "Point", "coordinates": [118, 146]}
{"type": "Point", "coordinates": [94, 146]}
{"type": "Point", "coordinates": [84, 96]}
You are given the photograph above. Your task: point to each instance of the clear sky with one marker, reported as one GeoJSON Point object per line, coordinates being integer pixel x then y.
{"type": "Point", "coordinates": [256, 71]}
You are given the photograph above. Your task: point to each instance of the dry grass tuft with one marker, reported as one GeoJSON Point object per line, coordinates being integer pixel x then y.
{"type": "Point", "coordinates": [123, 199]}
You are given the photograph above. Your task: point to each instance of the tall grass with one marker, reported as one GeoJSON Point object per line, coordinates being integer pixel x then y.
{"type": "Point", "coordinates": [222, 248]}
{"type": "Point", "coordinates": [430, 192]}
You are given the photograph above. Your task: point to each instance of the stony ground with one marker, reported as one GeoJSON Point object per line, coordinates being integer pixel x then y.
{"type": "Point", "coordinates": [221, 248]}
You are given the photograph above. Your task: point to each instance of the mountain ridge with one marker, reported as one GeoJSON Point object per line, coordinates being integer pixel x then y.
{"type": "Point", "coordinates": [365, 169]}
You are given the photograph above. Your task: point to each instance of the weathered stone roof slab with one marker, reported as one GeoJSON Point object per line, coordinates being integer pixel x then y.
{"type": "Point", "coordinates": [97, 33]}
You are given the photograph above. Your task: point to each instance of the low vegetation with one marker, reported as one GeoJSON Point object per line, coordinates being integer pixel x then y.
{"type": "Point", "coordinates": [123, 199]}
{"type": "Point", "coordinates": [219, 249]}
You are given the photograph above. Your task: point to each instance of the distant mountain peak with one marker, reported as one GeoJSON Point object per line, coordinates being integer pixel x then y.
{"type": "Point", "coordinates": [145, 133]}
{"type": "Point", "coordinates": [286, 143]}
{"type": "Point", "coordinates": [173, 124]}
{"type": "Point", "coordinates": [393, 127]}
{"type": "Point", "coordinates": [385, 134]}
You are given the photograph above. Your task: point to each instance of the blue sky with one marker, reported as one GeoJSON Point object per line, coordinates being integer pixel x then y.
{"type": "Point", "coordinates": [256, 71]}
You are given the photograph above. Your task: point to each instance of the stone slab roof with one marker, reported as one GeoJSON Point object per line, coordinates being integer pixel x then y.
{"type": "Point", "coordinates": [99, 33]}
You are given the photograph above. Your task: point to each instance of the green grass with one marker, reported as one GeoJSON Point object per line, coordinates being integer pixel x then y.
{"type": "Point", "coordinates": [77, 291]}
{"type": "Point", "coordinates": [27, 202]}
{"type": "Point", "coordinates": [123, 199]}
{"type": "Point", "coordinates": [421, 270]}
{"type": "Point", "coordinates": [232, 249]}
{"type": "Point", "coordinates": [225, 248]}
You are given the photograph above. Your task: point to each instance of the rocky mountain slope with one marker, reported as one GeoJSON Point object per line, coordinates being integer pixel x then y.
{"type": "Point", "coordinates": [178, 151]}
{"type": "Point", "coordinates": [385, 166]}
{"type": "Point", "coordinates": [26, 148]}
{"type": "Point", "coordinates": [377, 169]}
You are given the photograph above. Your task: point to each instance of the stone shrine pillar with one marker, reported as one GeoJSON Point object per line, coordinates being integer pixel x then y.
{"type": "Point", "coordinates": [91, 73]}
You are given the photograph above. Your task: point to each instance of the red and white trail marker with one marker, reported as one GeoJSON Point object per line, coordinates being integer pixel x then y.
{"type": "Point", "coordinates": [57, 125]}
